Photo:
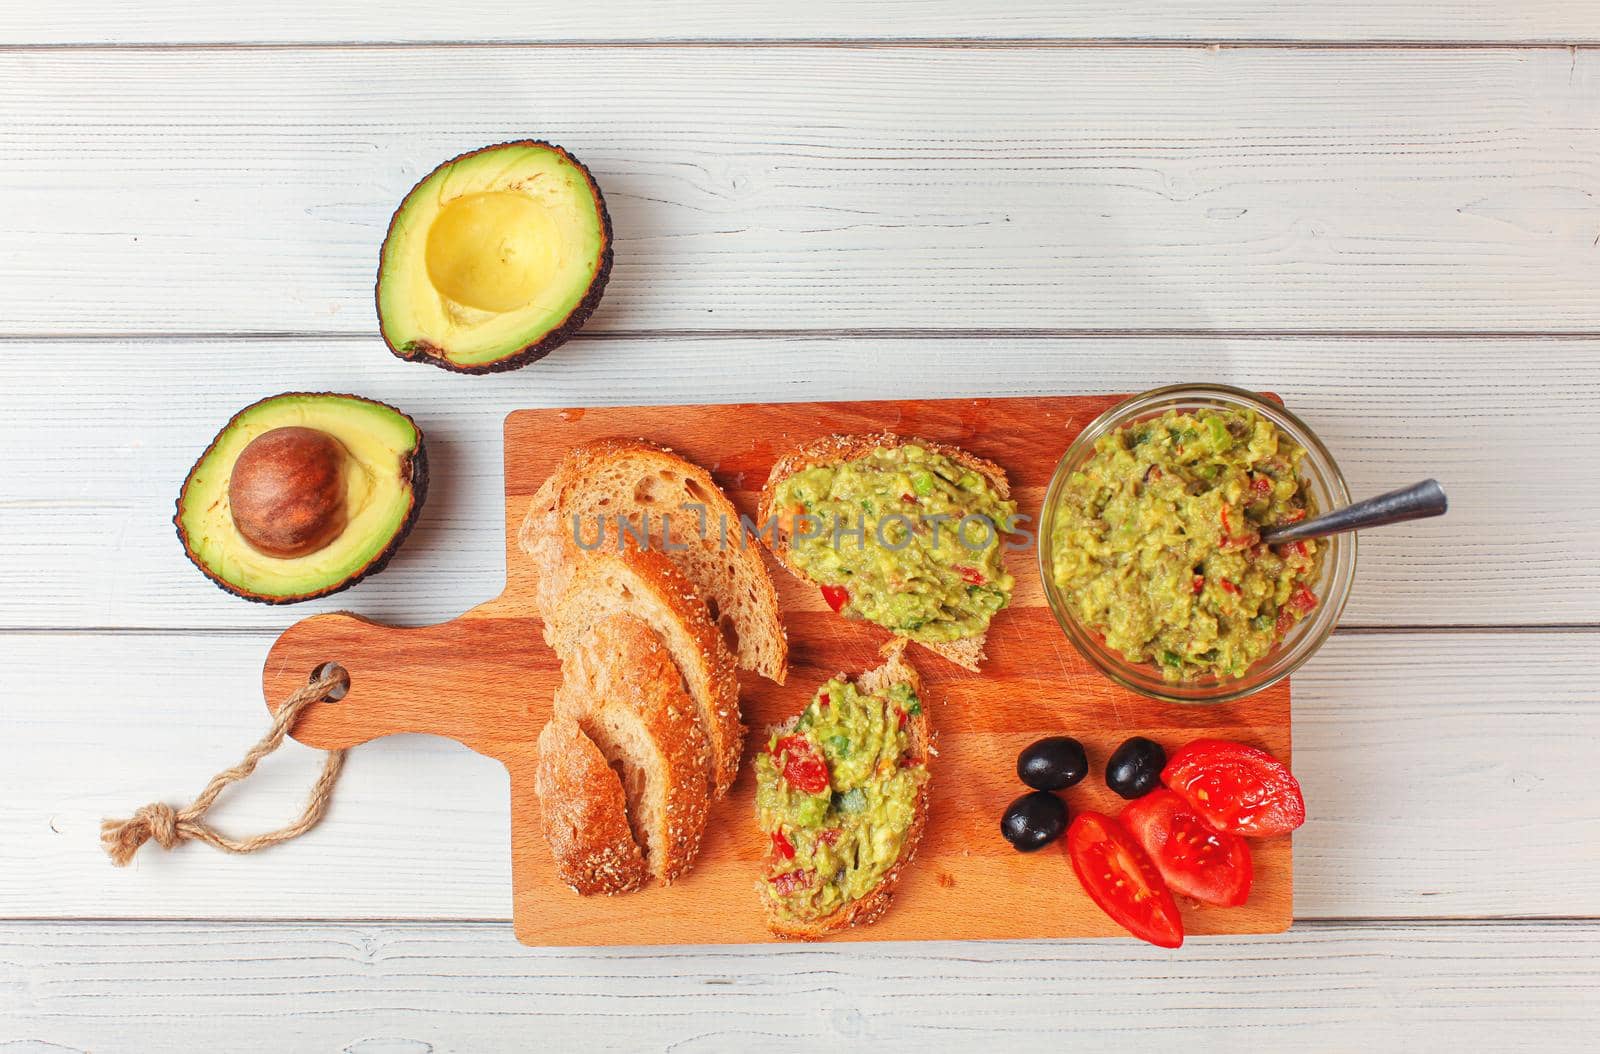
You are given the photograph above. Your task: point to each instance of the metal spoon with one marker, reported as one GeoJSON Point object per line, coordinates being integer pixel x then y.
{"type": "Point", "coordinates": [1415, 502]}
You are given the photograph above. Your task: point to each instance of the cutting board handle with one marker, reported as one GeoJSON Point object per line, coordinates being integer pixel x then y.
{"type": "Point", "coordinates": [462, 679]}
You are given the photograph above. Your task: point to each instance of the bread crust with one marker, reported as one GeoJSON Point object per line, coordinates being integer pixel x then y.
{"type": "Point", "coordinates": [540, 538]}
{"type": "Point", "coordinates": [585, 814]}
{"type": "Point", "coordinates": [967, 652]}
{"type": "Point", "coordinates": [618, 667]}
{"type": "Point", "coordinates": [870, 908]}
{"type": "Point", "coordinates": [706, 667]}
{"type": "Point", "coordinates": [746, 597]}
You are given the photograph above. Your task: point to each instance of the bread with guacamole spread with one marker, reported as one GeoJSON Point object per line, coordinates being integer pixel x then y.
{"type": "Point", "coordinates": [905, 533]}
{"type": "Point", "coordinates": [622, 690]}
{"type": "Point", "coordinates": [842, 798]}
{"type": "Point", "coordinates": [617, 491]}
{"type": "Point", "coordinates": [648, 588]}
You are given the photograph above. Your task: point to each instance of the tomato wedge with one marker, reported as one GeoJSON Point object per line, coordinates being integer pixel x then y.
{"type": "Point", "coordinates": [1210, 866]}
{"type": "Point", "coordinates": [836, 596]}
{"type": "Point", "coordinates": [1121, 879]}
{"type": "Point", "coordinates": [801, 763]}
{"type": "Point", "coordinates": [791, 881]}
{"type": "Point", "coordinates": [1236, 788]}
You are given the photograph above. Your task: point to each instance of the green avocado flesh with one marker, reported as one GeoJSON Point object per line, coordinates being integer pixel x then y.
{"type": "Point", "coordinates": [913, 568]}
{"type": "Point", "coordinates": [833, 846]}
{"type": "Point", "coordinates": [493, 259]}
{"type": "Point", "coordinates": [1155, 542]}
{"type": "Point", "coordinates": [384, 478]}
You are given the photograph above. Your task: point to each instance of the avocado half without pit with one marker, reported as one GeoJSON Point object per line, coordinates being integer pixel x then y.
{"type": "Point", "coordinates": [303, 494]}
{"type": "Point", "coordinates": [494, 259]}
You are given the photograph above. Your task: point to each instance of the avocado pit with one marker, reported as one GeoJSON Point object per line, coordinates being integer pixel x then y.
{"type": "Point", "coordinates": [287, 491]}
{"type": "Point", "coordinates": [302, 494]}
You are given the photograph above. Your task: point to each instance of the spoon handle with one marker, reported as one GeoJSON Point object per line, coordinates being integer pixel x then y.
{"type": "Point", "coordinates": [1415, 502]}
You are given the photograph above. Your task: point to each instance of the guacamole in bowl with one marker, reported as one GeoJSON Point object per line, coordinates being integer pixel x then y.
{"type": "Point", "coordinates": [1150, 544]}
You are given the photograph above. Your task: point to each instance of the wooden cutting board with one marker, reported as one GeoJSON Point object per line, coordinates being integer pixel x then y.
{"type": "Point", "coordinates": [486, 680]}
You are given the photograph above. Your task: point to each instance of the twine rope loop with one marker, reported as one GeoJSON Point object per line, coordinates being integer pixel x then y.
{"type": "Point", "coordinates": [168, 827]}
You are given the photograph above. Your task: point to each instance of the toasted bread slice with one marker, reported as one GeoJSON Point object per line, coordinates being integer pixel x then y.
{"type": "Point", "coordinates": [869, 907]}
{"type": "Point", "coordinates": [547, 547]}
{"type": "Point", "coordinates": [622, 689]}
{"type": "Point", "coordinates": [966, 652]}
{"type": "Point", "coordinates": [673, 505]}
{"type": "Point", "coordinates": [649, 587]}
{"type": "Point", "coordinates": [586, 814]}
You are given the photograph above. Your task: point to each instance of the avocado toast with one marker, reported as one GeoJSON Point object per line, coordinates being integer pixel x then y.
{"type": "Point", "coordinates": [901, 532]}
{"type": "Point", "coordinates": [842, 796]}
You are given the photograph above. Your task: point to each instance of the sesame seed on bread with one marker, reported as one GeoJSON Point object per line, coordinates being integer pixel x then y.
{"type": "Point", "coordinates": [622, 689]}
{"type": "Point", "coordinates": [647, 586]}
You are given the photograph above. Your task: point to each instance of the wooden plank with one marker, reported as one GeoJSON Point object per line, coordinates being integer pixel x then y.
{"type": "Point", "coordinates": [486, 680]}
{"type": "Point", "coordinates": [250, 987]}
{"type": "Point", "coordinates": [93, 466]}
{"type": "Point", "coordinates": [340, 21]}
{"type": "Point", "coordinates": [1447, 775]}
{"type": "Point", "coordinates": [824, 188]}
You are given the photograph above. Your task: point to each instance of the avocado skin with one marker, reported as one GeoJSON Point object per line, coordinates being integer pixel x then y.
{"type": "Point", "coordinates": [421, 351]}
{"type": "Point", "coordinates": [417, 463]}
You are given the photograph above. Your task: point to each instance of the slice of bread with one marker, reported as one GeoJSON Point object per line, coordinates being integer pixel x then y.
{"type": "Point", "coordinates": [868, 909]}
{"type": "Point", "coordinates": [678, 509]}
{"type": "Point", "coordinates": [837, 449]}
{"type": "Point", "coordinates": [547, 547]}
{"type": "Point", "coordinates": [646, 585]}
{"type": "Point", "coordinates": [586, 814]}
{"type": "Point", "coordinates": [622, 689]}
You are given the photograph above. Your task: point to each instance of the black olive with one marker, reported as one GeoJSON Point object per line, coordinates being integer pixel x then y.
{"type": "Point", "coordinates": [1135, 769]}
{"type": "Point", "coordinates": [1033, 821]}
{"type": "Point", "coordinates": [1053, 764]}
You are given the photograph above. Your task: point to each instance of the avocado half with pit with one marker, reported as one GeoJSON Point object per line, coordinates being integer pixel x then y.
{"type": "Point", "coordinates": [303, 494]}
{"type": "Point", "coordinates": [494, 259]}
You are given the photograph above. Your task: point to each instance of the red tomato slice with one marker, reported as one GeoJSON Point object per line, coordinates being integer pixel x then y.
{"type": "Point", "coordinates": [836, 596]}
{"type": "Point", "coordinates": [1286, 621]}
{"type": "Point", "coordinates": [1210, 866]}
{"type": "Point", "coordinates": [803, 766]}
{"type": "Point", "coordinates": [791, 881]}
{"type": "Point", "coordinates": [1120, 878]}
{"type": "Point", "coordinates": [1236, 788]}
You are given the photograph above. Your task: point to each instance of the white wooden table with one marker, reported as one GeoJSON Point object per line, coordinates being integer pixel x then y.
{"type": "Point", "coordinates": [1387, 212]}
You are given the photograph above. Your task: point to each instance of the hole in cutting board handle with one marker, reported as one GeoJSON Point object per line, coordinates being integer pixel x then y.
{"type": "Point", "coordinates": [338, 690]}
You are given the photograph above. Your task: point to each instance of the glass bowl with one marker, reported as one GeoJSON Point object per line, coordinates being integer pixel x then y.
{"type": "Point", "coordinates": [1328, 491]}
